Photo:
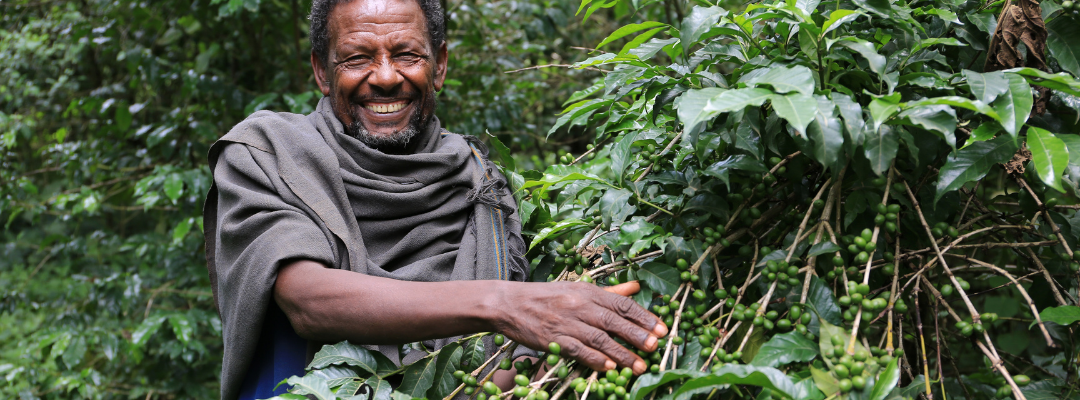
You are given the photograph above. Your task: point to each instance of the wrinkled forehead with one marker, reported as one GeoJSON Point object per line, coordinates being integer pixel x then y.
{"type": "Point", "coordinates": [378, 18]}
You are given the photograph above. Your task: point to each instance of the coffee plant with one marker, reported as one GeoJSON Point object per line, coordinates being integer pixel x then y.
{"type": "Point", "coordinates": [845, 199]}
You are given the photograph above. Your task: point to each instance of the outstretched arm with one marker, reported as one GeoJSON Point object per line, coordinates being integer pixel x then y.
{"type": "Point", "coordinates": [330, 305]}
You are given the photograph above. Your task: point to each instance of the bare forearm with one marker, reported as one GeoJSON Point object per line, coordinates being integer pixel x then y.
{"type": "Point", "coordinates": [331, 305]}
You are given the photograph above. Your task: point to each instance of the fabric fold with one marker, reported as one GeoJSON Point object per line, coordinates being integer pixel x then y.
{"type": "Point", "coordinates": [290, 186]}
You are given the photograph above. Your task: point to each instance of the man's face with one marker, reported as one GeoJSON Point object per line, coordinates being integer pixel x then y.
{"type": "Point", "coordinates": [382, 72]}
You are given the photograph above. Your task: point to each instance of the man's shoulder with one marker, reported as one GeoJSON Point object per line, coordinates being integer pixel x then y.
{"type": "Point", "coordinates": [267, 131]}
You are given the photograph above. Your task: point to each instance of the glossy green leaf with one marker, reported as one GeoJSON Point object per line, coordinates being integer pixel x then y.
{"type": "Point", "coordinates": [380, 389]}
{"type": "Point", "coordinates": [838, 18]}
{"type": "Point", "coordinates": [1061, 315]}
{"type": "Point", "coordinates": [722, 169]}
{"type": "Point", "coordinates": [505, 157]}
{"type": "Point", "coordinates": [1060, 81]}
{"type": "Point", "coordinates": [825, 382]}
{"type": "Point", "coordinates": [640, 39]}
{"type": "Point", "coordinates": [691, 106]}
{"type": "Point", "coordinates": [884, 107]}
{"type": "Point", "coordinates": [796, 108]}
{"type": "Point", "coordinates": [661, 278]}
{"type": "Point", "coordinates": [700, 20]}
{"type": "Point", "coordinates": [345, 353]}
{"type": "Point", "coordinates": [418, 377]}
{"type": "Point", "coordinates": [444, 382]}
{"type": "Point", "coordinates": [786, 80]}
{"type": "Point", "coordinates": [972, 163]}
{"type": "Point", "coordinates": [312, 386]}
{"type": "Point", "coordinates": [785, 348]}
{"type": "Point", "coordinates": [825, 133]}
{"type": "Point", "coordinates": [627, 30]}
{"type": "Point", "coordinates": [1072, 143]}
{"type": "Point", "coordinates": [182, 327]}
{"type": "Point", "coordinates": [955, 101]}
{"type": "Point", "coordinates": [945, 15]}
{"type": "Point", "coordinates": [938, 119]}
{"type": "Point", "coordinates": [1049, 155]}
{"type": "Point", "coordinates": [181, 230]}
{"type": "Point", "coordinates": [147, 329]}
{"type": "Point", "coordinates": [1014, 105]}
{"type": "Point", "coordinates": [880, 148]}
{"type": "Point", "coordinates": [556, 229]}
{"type": "Point", "coordinates": [886, 380]}
{"type": "Point", "coordinates": [473, 352]}
{"type": "Point", "coordinates": [986, 86]}
{"type": "Point", "coordinates": [866, 50]}
{"type": "Point", "coordinates": [576, 111]}
{"type": "Point", "coordinates": [822, 300]}
{"type": "Point", "coordinates": [174, 186]}
{"type": "Point", "coordinates": [984, 132]}
{"type": "Point", "coordinates": [737, 99]}
{"type": "Point", "coordinates": [337, 376]}
{"type": "Point", "coordinates": [852, 113]}
{"type": "Point", "coordinates": [647, 383]}
{"type": "Point", "coordinates": [1062, 44]}
{"type": "Point", "coordinates": [621, 154]}
{"type": "Point", "coordinates": [729, 374]}
{"type": "Point", "coordinates": [822, 248]}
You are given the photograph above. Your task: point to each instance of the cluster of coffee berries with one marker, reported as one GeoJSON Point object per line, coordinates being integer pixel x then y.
{"type": "Point", "coordinates": [852, 370]}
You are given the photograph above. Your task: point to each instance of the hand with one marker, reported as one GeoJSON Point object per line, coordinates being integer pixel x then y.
{"type": "Point", "coordinates": [582, 318]}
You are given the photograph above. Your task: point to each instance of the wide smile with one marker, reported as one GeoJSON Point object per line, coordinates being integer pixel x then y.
{"type": "Point", "coordinates": [387, 109]}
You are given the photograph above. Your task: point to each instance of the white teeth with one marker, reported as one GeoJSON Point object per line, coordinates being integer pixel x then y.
{"type": "Point", "coordinates": [386, 108]}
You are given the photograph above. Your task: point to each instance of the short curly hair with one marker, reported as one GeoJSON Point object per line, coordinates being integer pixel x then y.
{"type": "Point", "coordinates": [320, 31]}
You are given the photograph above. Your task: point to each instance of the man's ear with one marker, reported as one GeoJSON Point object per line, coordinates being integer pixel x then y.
{"type": "Point", "coordinates": [319, 70]}
{"type": "Point", "coordinates": [441, 57]}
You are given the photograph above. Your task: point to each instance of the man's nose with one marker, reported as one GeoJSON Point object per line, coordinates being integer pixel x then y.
{"type": "Point", "coordinates": [385, 76]}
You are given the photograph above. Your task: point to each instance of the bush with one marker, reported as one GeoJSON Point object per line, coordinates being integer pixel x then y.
{"type": "Point", "coordinates": [823, 200]}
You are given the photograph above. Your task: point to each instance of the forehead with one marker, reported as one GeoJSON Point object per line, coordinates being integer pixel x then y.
{"type": "Point", "coordinates": [372, 19]}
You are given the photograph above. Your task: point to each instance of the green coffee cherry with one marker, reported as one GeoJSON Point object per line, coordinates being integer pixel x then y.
{"type": "Point", "coordinates": [681, 264]}
{"type": "Point", "coordinates": [552, 359]}
{"type": "Point", "coordinates": [523, 391]}
{"type": "Point", "coordinates": [858, 382]}
{"type": "Point", "coordinates": [554, 348]}
{"type": "Point", "coordinates": [845, 385]}
{"type": "Point", "coordinates": [491, 388]}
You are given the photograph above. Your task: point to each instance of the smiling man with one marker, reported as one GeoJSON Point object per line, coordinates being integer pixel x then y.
{"type": "Point", "coordinates": [366, 221]}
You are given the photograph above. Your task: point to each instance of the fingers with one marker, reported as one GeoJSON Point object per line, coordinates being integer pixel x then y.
{"type": "Point", "coordinates": [592, 358]}
{"type": "Point", "coordinates": [622, 356]}
{"type": "Point", "coordinates": [618, 326]}
{"type": "Point", "coordinates": [625, 289]}
{"type": "Point", "coordinates": [630, 310]}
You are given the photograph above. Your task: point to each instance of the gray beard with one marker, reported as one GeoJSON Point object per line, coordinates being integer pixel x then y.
{"type": "Point", "coordinates": [396, 140]}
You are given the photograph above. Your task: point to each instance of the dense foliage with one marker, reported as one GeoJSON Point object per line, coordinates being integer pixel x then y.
{"type": "Point", "coordinates": [107, 109]}
{"type": "Point", "coordinates": [841, 199]}
{"type": "Point", "coordinates": [827, 160]}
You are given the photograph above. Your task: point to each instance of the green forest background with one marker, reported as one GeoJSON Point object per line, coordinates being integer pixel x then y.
{"type": "Point", "coordinates": [107, 109]}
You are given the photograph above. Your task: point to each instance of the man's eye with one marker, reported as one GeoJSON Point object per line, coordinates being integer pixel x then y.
{"type": "Point", "coordinates": [356, 61]}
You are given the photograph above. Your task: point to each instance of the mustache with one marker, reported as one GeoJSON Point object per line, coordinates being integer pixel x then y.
{"type": "Point", "coordinates": [380, 98]}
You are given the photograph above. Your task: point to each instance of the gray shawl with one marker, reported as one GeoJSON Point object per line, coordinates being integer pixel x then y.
{"type": "Point", "coordinates": [289, 186]}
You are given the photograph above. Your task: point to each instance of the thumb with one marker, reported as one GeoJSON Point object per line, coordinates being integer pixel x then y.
{"type": "Point", "coordinates": [625, 289]}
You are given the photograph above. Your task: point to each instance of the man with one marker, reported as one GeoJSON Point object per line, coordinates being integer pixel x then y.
{"type": "Point", "coordinates": [365, 221]}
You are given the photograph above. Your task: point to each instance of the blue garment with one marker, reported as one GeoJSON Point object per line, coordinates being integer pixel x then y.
{"type": "Point", "coordinates": [281, 353]}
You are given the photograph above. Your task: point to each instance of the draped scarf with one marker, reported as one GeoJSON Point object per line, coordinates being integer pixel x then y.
{"type": "Point", "coordinates": [289, 186]}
